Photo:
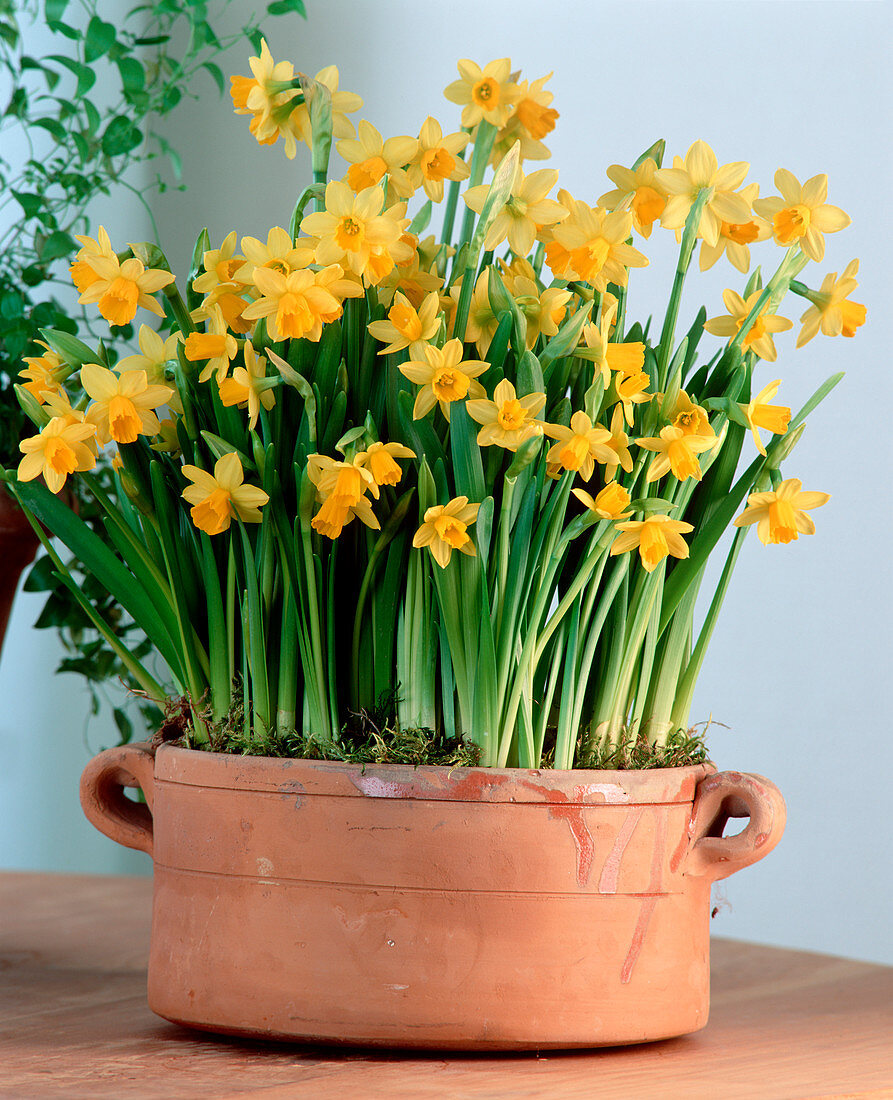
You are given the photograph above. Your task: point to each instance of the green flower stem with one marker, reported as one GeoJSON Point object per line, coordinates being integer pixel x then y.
{"type": "Point", "coordinates": [646, 664]}
{"type": "Point", "coordinates": [663, 688]}
{"type": "Point", "coordinates": [689, 238]}
{"type": "Point", "coordinates": [325, 722]}
{"type": "Point", "coordinates": [593, 564]}
{"type": "Point", "coordinates": [320, 176]}
{"type": "Point", "coordinates": [792, 264]}
{"type": "Point", "coordinates": [483, 146]}
{"type": "Point", "coordinates": [449, 210]}
{"type": "Point", "coordinates": [616, 587]}
{"type": "Point", "coordinates": [643, 601]}
{"type": "Point", "coordinates": [502, 549]}
{"type": "Point", "coordinates": [686, 687]}
{"type": "Point", "coordinates": [178, 306]}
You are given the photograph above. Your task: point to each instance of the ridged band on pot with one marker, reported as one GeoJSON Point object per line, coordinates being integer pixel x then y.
{"type": "Point", "coordinates": [428, 907]}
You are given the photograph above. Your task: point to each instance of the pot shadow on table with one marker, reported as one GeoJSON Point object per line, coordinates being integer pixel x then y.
{"type": "Point", "coordinates": [326, 1053]}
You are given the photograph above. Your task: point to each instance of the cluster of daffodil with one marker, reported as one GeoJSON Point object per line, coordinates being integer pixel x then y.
{"type": "Point", "coordinates": [483, 393]}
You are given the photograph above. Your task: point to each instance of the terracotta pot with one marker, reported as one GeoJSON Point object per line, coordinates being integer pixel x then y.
{"type": "Point", "coordinates": [467, 909]}
{"type": "Point", "coordinates": [18, 545]}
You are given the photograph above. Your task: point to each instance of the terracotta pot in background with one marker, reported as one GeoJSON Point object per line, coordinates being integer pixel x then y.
{"type": "Point", "coordinates": [18, 545]}
{"type": "Point", "coordinates": [468, 909]}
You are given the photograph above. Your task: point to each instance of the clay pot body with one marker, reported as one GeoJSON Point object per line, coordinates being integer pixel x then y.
{"type": "Point", "coordinates": [18, 545]}
{"type": "Point", "coordinates": [466, 909]}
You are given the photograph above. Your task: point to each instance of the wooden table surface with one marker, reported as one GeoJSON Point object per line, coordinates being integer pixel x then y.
{"type": "Point", "coordinates": [784, 1025]}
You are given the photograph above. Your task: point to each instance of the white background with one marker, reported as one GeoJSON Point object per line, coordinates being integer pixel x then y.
{"type": "Point", "coordinates": [799, 667]}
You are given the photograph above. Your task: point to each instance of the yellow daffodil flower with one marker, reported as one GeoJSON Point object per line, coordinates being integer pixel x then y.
{"type": "Point", "coordinates": [507, 420]}
{"type": "Point", "coordinates": [610, 503]}
{"type": "Point", "coordinates": [734, 239]}
{"type": "Point", "coordinates": [219, 270]}
{"type": "Point", "coordinates": [357, 233]}
{"type": "Point", "coordinates": [636, 190]}
{"type": "Point", "coordinates": [631, 391]}
{"type": "Point", "coordinates": [44, 373]}
{"type": "Point", "coordinates": [217, 346]}
{"type": "Point", "coordinates": [279, 254]}
{"type": "Point", "coordinates": [345, 482]}
{"type": "Point", "coordinates": [760, 414]}
{"type": "Point", "coordinates": [698, 171]}
{"type": "Point", "coordinates": [618, 443]}
{"type": "Point", "coordinates": [249, 386]}
{"type": "Point", "coordinates": [533, 112]}
{"type": "Point", "coordinates": [800, 214]}
{"type": "Point", "coordinates": [155, 354]}
{"type": "Point", "coordinates": [487, 93]}
{"type": "Point", "coordinates": [543, 310]}
{"type": "Point", "coordinates": [526, 210]}
{"type": "Point", "coordinates": [532, 119]}
{"type": "Point", "coordinates": [370, 158]}
{"type": "Point", "coordinates": [81, 272]}
{"type": "Point", "coordinates": [379, 460]}
{"type": "Point", "coordinates": [655, 538]}
{"type": "Point", "coordinates": [342, 488]}
{"type": "Point", "coordinates": [759, 337]}
{"type": "Point", "coordinates": [216, 498]}
{"type": "Point", "coordinates": [780, 515]}
{"type": "Point", "coordinates": [299, 304]}
{"type": "Point", "coordinates": [269, 98]}
{"type": "Point", "coordinates": [591, 245]}
{"type": "Point", "coordinates": [123, 406]}
{"type": "Point", "coordinates": [415, 277]}
{"type": "Point", "coordinates": [691, 419]}
{"type": "Point", "coordinates": [445, 529]}
{"type": "Point", "coordinates": [334, 516]}
{"type": "Point", "coordinates": [437, 159]}
{"type": "Point", "coordinates": [677, 452]}
{"type": "Point", "coordinates": [407, 326]}
{"type": "Point", "coordinates": [444, 376]}
{"type": "Point", "coordinates": [59, 450]}
{"type": "Point", "coordinates": [831, 310]}
{"type": "Point", "coordinates": [579, 446]}
{"type": "Point", "coordinates": [625, 358]}
{"type": "Point", "coordinates": [120, 288]}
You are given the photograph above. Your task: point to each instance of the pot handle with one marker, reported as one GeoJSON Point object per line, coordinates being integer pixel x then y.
{"type": "Point", "coordinates": [733, 794]}
{"type": "Point", "coordinates": [103, 799]}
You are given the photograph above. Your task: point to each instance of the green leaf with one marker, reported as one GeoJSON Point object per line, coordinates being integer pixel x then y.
{"type": "Point", "coordinates": [56, 246]}
{"type": "Point", "coordinates": [52, 126]}
{"type": "Point", "coordinates": [86, 77]}
{"type": "Point", "coordinates": [468, 471]}
{"type": "Point", "coordinates": [120, 136]}
{"type": "Point", "coordinates": [93, 116]}
{"type": "Point", "coordinates": [217, 75]}
{"type": "Point", "coordinates": [100, 39]}
{"type": "Point", "coordinates": [283, 7]}
{"type": "Point", "coordinates": [93, 553]}
{"type": "Point", "coordinates": [133, 75]}
{"type": "Point", "coordinates": [54, 10]}
{"type": "Point", "coordinates": [58, 27]}
{"type": "Point", "coordinates": [30, 203]}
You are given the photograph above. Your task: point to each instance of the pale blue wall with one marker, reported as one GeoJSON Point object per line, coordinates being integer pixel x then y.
{"type": "Point", "coordinates": [798, 663]}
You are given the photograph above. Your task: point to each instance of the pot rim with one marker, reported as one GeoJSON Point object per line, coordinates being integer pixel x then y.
{"type": "Point", "coordinates": [201, 768]}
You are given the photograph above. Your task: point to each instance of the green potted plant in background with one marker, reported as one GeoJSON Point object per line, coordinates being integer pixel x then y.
{"type": "Point", "coordinates": [65, 146]}
{"type": "Point", "coordinates": [417, 526]}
